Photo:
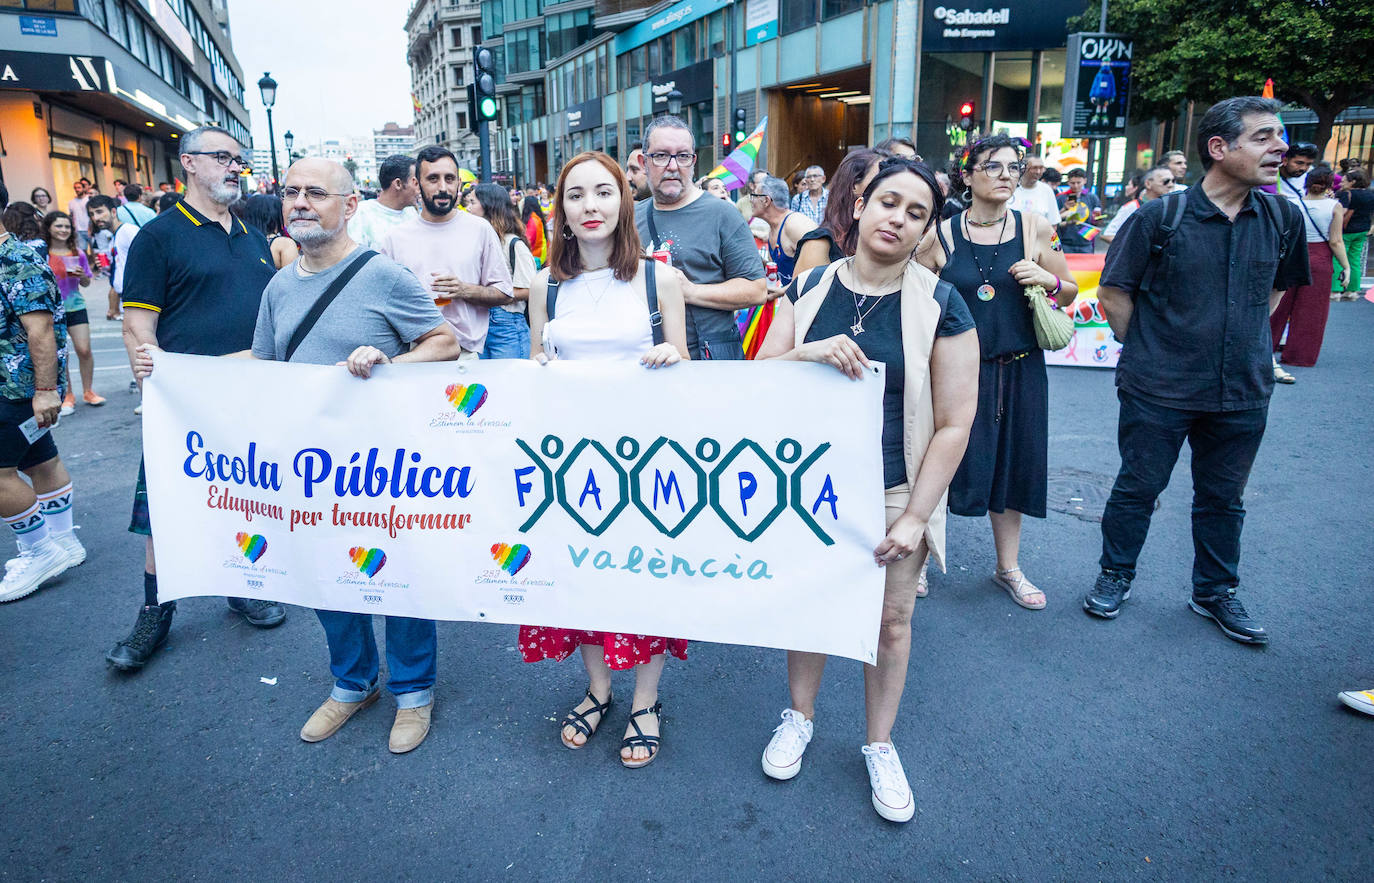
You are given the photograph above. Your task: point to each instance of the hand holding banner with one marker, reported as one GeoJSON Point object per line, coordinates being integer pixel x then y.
{"type": "Point", "coordinates": [589, 495]}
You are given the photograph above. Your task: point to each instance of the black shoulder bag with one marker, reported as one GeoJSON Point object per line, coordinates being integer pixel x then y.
{"type": "Point", "coordinates": [308, 323]}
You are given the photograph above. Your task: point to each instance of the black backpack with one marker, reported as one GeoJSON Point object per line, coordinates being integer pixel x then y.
{"type": "Point", "coordinates": [1174, 207]}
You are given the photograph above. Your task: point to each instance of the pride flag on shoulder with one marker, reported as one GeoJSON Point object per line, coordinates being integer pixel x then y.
{"type": "Point", "coordinates": [735, 169]}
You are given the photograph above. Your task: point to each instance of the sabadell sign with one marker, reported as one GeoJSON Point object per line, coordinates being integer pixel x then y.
{"type": "Point", "coordinates": [1003, 26]}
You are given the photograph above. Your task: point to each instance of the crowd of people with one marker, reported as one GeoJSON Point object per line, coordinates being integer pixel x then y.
{"type": "Point", "coordinates": [636, 261]}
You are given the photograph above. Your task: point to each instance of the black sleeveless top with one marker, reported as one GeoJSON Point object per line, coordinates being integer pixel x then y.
{"type": "Point", "coordinates": [1004, 321]}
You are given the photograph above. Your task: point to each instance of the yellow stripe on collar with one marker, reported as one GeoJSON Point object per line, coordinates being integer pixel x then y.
{"type": "Point", "coordinates": [188, 215]}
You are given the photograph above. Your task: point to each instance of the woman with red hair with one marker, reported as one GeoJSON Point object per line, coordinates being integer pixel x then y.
{"type": "Point", "coordinates": [599, 298]}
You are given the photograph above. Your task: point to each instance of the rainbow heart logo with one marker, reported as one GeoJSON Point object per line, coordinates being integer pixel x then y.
{"type": "Point", "coordinates": [466, 398]}
{"type": "Point", "coordinates": [511, 558]}
{"type": "Point", "coordinates": [368, 561]}
{"type": "Point", "coordinates": [252, 545]}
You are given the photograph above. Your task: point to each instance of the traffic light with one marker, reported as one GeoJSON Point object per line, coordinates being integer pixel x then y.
{"type": "Point", "coordinates": [741, 125]}
{"type": "Point", "coordinates": [474, 121]}
{"type": "Point", "coordinates": [485, 107]}
{"type": "Point", "coordinates": [966, 116]}
{"type": "Point", "coordinates": [725, 141]}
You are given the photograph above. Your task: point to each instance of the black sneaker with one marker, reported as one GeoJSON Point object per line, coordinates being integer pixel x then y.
{"type": "Point", "coordinates": [150, 631]}
{"type": "Point", "coordinates": [1230, 616]}
{"type": "Point", "coordinates": [1110, 590]}
{"type": "Point", "coordinates": [263, 614]}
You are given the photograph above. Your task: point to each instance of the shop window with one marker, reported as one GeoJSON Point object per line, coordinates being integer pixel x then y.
{"type": "Point", "coordinates": [835, 8]}
{"type": "Point", "coordinates": [715, 34]}
{"type": "Point", "coordinates": [793, 15]}
{"type": "Point", "coordinates": [121, 165]}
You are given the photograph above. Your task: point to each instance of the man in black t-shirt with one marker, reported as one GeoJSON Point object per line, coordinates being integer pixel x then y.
{"type": "Point", "coordinates": [1195, 362]}
{"type": "Point", "coordinates": [193, 283]}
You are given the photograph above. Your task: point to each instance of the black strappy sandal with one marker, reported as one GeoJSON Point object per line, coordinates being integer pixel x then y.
{"type": "Point", "coordinates": [578, 720]}
{"type": "Point", "coordinates": [639, 740]}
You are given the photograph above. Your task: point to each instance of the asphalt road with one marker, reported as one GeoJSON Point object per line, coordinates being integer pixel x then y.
{"type": "Point", "coordinates": [1044, 745]}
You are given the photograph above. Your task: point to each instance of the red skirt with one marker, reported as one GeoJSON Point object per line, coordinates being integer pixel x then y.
{"type": "Point", "coordinates": [1304, 309]}
{"type": "Point", "coordinates": [620, 651]}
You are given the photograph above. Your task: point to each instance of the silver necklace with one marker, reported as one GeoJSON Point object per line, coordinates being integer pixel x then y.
{"type": "Point", "coordinates": [859, 312]}
{"type": "Point", "coordinates": [596, 298]}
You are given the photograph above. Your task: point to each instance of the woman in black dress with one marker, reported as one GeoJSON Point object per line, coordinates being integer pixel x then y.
{"type": "Point", "coordinates": [983, 252]}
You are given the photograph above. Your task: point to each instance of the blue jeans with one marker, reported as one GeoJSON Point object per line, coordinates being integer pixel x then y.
{"type": "Point", "coordinates": [508, 336]}
{"type": "Point", "coordinates": [411, 650]}
{"type": "Point", "coordinates": [1224, 445]}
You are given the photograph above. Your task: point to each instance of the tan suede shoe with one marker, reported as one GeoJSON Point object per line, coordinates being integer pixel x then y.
{"type": "Point", "coordinates": [410, 729]}
{"type": "Point", "coordinates": [327, 719]}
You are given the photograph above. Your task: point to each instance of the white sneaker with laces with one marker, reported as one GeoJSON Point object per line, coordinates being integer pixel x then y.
{"type": "Point", "coordinates": [33, 567]}
{"type": "Point", "coordinates": [68, 541]}
{"type": "Point", "coordinates": [891, 792]}
{"type": "Point", "coordinates": [782, 759]}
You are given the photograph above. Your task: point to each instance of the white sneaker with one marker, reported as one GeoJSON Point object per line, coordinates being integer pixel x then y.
{"type": "Point", "coordinates": [782, 759]}
{"type": "Point", "coordinates": [1360, 700]}
{"type": "Point", "coordinates": [72, 546]}
{"type": "Point", "coordinates": [891, 793]}
{"type": "Point", "coordinates": [33, 567]}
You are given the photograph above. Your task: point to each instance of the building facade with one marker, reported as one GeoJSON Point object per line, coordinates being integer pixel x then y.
{"type": "Point", "coordinates": [830, 75]}
{"type": "Point", "coordinates": [441, 36]}
{"type": "Point", "coordinates": [102, 89]}
{"type": "Point", "coordinates": [392, 139]}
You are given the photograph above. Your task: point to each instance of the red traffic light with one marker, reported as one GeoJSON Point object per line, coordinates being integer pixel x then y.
{"type": "Point", "coordinates": [725, 140]}
{"type": "Point", "coordinates": [966, 109]}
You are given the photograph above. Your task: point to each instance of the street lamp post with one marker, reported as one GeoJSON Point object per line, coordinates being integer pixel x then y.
{"type": "Point", "coordinates": [674, 104]}
{"type": "Point", "coordinates": [515, 160]}
{"type": "Point", "coordinates": [268, 89]}
{"type": "Point", "coordinates": [290, 141]}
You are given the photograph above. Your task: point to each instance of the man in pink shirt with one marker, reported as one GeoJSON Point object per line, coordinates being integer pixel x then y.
{"type": "Point", "coordinates": [456, 256]}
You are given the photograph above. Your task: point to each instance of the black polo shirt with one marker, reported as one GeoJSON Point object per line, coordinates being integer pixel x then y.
{"type": "Point", "coordinates": [1199, 341]}
{"type": "Point", "coordinates": [204, 284]}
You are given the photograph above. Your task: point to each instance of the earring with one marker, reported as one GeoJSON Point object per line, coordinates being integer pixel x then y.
{"type": "Point", "coordinates": [567, 232]}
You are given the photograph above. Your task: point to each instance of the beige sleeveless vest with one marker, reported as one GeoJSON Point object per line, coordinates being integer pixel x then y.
{"type": "Point", "coordinates": [920, 318]}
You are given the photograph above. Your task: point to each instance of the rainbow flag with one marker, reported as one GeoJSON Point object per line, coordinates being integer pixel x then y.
{"type": "Point", "coordinates": [753, 324]}
{"type": "Point", "coordinates": [734, 170]}
{"type": "Point", "coordinates": [180, 185]}
{"type": "Point", "coordinates": [1268, 92]}
{"type": "Point", "coordinates": [1088, 232]}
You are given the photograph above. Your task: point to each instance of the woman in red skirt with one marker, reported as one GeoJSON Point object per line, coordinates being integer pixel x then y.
{"type": "Point", "coordinates": [601, 311]}
{"type": "Point", "coordinates": [1304, 309]}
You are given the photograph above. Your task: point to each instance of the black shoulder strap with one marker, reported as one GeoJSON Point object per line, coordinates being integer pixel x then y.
{"type": "Point", "coordinates": [308, 323]}
{"type": "Point", "coordinates": [940, 235]}
{"type": "Point", "coordinates": [511, 255]}
{"type": "Point", "coordinates": [1174, 205]}
{"type": "Point", "coordinates": [550, 297]}
{"type": "Point", "coordinates": [651, 295]}
{"type": "Point", "coordinates": [1267, 203]}
{"type": "Point", "coordinates": [653, 228]}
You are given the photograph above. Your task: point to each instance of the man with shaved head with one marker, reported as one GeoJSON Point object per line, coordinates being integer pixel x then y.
{"type": "Point", "coordinates": [379, 314]}
{"type": "Point", "coordinates": [192, 284]}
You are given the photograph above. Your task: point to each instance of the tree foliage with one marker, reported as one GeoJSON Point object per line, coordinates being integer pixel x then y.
{"type": "Point", "coordinates": [1320, 53]}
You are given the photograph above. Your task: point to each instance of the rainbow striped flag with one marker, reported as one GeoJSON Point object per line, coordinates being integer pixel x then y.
{"type": "Point", "coordinates": [1088, 232]}
{"type": "Point", "coordinates": [1268, 92]}
{"type": "Point", "coordinates": [734, 170]}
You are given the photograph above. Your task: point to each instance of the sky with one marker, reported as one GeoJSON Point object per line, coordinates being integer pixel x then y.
{"type": "Point", "coordinates": [340, 65]}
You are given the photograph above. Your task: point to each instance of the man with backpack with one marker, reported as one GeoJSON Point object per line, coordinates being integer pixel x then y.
{"type": "Point", "coordinates": [1188, 286]}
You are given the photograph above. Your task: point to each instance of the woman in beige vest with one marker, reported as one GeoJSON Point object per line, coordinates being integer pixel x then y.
{"type": "Point", "coordinates": [881, 306]}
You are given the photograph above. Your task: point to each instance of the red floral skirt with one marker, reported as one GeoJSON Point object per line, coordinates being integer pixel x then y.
{"type": "Point", "coordinates": [620, 651]}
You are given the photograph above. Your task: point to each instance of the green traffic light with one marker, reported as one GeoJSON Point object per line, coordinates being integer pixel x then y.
{"type": "Point", "coordinates": [740, 135]}
{"type": "Point", "coordinates": [487, 108]}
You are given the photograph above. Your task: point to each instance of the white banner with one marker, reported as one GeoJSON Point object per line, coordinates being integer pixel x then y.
{"type": "Point", "coordinates": [736, 502]}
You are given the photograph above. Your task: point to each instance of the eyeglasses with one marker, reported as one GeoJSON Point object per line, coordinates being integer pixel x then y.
{"type": "Point", "coordinates": [813, 177]}
{"type": "Point", "coordinates": [223, 157]}
{"type": "Point", "coordinates": [662, 159]}
{"type": "Point", "coordinates": [312, 194]}
{"type": "Point", "coordinates": [993, 169]}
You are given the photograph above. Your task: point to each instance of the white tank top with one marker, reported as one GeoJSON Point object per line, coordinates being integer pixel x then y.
{"type": "Point", "coordinates": [1321, 211]}
{"type": "Point", "coordinates": [596, 316]}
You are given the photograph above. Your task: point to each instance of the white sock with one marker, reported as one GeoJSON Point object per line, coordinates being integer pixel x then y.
{"type": "Point", "coordinates": [56, 507]}
{"type": "Point", "coordinates": [29, 526]}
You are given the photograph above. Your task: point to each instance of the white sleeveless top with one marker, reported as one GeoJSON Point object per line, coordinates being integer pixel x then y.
{"type": "Point", "coordinates": [596, 316]}
{"type": "Point", "coordinates": [1320, 210]}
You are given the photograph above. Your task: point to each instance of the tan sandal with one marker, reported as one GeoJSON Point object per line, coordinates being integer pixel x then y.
{"type": "Point", "coordinates": [923, 581]}
{"type": "Point", "coordinates": [1021, 589]}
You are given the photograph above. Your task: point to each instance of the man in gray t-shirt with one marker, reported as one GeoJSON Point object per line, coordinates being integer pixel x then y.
{"type": "Point", "coordinates": [381, 315]}
{"type": "Point", "coordinates": [713, 252]}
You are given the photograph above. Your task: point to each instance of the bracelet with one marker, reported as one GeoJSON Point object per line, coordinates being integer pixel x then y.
{"type": "Point", "coordinates": [1058, 284]}
{"type": "Point", "coordinates": [45, 389]}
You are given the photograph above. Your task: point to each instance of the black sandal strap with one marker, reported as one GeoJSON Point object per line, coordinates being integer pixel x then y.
{"type": "Point", "coordinates": [578, 719]}
{"type": "Point", "coordinates": [639, 739]}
